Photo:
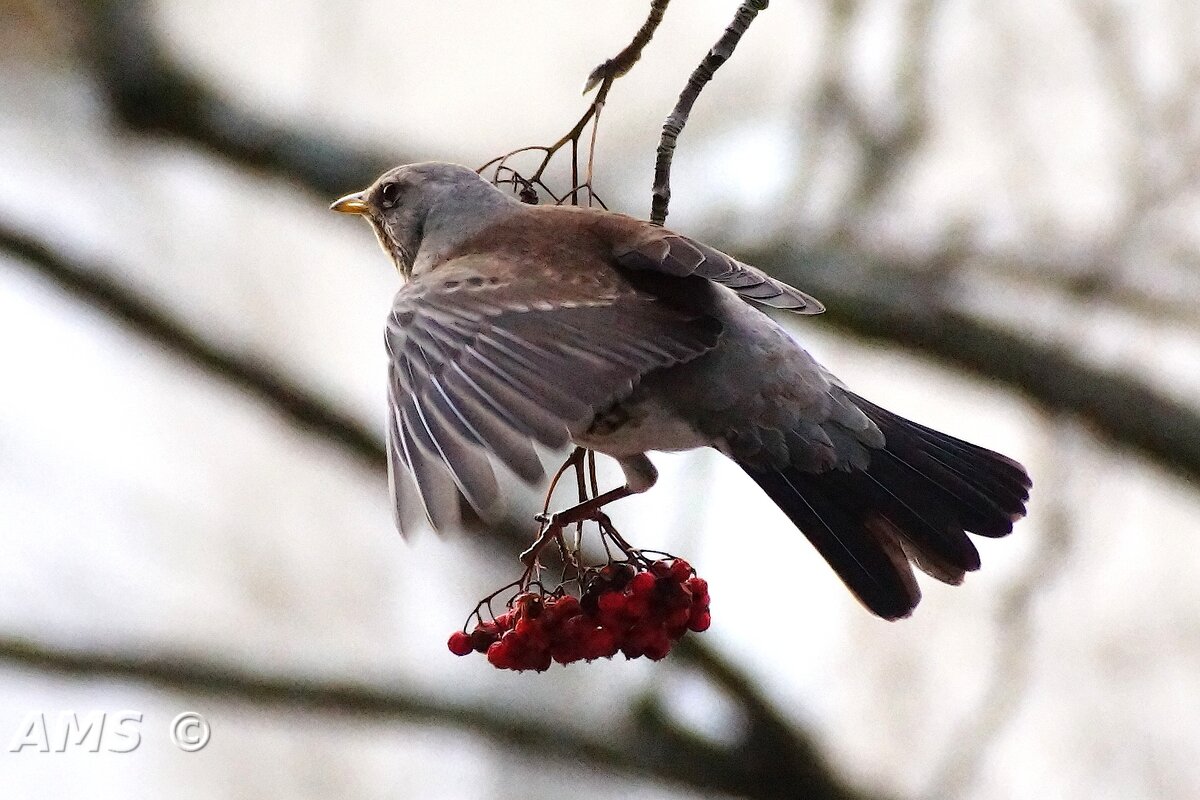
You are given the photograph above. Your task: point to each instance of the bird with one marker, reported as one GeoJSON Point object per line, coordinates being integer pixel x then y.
{"type": "Point", "coordinates": [521, 324]}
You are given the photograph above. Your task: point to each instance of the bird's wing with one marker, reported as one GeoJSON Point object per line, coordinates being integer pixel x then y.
{"type": "Point", "coordinates": [647, 247]}
{"type": "Point", "coordinates": [488, 356]}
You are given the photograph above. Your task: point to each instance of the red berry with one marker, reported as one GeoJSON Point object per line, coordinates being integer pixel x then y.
{"type": "Point", "coordinates": [680, 570]}
{"type": "Point", "coordinates": [565, 608]}
{"type": "Point", "coordinates": [600, 643]}
{"type": "Point", "coordinates": [631, 651]}
{"type": "Point", "coordinates": [642, 584]}
{"type": "Point", "coordinates": [482, 639]}
{"type": "Point", "coordinates": [499, 655]}
{"type": "Point", "coordinates": [700, 620]}
{"type": "Point", "coordinates": [660, 568]}
{"type": "Point", "coordinates": [611, 602]}
{"type": "Point", "coordinates": [697, 586]}
{"type": "Point", "coordinates": [615, 576]}
{"type": "Point", "coordinates": [641, 635]}
{"type": "Point", "coordinates": [528, 605]}
{"type": "Point", "coordinates": [678, 619]}
{"type": "Point", "coordinates": [460, 643]}
{"type": "Point", "coordinates": [657, 649]}
{"type": "Point", "coordinates": [637, 607]}
{"type": "Point", "coordinates": [565, 652]}
{"type": "Point", "coordinates": [671, 595]}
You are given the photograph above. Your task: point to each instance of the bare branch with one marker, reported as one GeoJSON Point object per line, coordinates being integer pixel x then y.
{"type": "Point", "coordinates": [794, 762]}
{"type": "Point", "coordinates": [717, 56]}
{"type": "Point", "coordinates": [503, 174]}
{"type": "Point", "coordinates": [903, 307]}
{"type": "Point", "coordinates": [622, 62]}
{"type": "Point", "coordinates": [884, 149]}
{"type": "Point", "coordinates": [298, 404]}
{"type": "Point", "coordinates": [637, 751]}
{"type": "Point", "coordinates": [1015, 624]}
{"type": "Point", "coordinates": [152, 93]}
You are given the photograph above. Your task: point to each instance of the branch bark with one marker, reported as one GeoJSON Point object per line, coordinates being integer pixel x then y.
{"type": "Point", "coordinates": [901, 307]}
{"type": "Point", "coordinates": [622, 62]}
{"type": "Point", "coordinates": [151, 92]}
{"type": "Point", "coordinates": [878, 303]}
{"type": "Point", "coordinates": [300, 405]}
{"type": "Point", "coordinates": [655, 746]}
{"type": "Point", "coordinates": [700, 766]}
{"type": "Point", "coordinates": [718, 55]}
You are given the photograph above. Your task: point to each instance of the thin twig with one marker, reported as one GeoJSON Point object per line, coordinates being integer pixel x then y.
{"type": "Point", "coordinates": [602, 76]}
{"type": "Point", "coordinates": [717, 56]}
{"type": "Point", "coordinates": [622, 62]}
{"type": "Point", "coordinates": [865, 297]}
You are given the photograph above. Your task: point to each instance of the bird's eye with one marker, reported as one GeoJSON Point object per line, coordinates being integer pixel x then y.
{"type": "Point", "coordinates": [390, 194]}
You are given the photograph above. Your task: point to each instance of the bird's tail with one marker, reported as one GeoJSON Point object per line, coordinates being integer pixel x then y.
{"type": "Point", "coordinates": [915, 502]}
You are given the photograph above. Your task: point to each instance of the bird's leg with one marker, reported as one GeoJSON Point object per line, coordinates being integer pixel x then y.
{"type": "Point", "coordinates": [640, 475]}
{"type": "Point", "coordinates": [553, 524]}
{"type": "Point", "coordinates": [549, 533]}
{"type": "Point", "coordinates": [573, 460]}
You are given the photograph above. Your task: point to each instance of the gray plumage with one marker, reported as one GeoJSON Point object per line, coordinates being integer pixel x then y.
{"type": "Point", "coordinates": [524, 324]}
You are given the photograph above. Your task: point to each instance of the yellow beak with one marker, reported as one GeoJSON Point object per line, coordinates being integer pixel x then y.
{"type": "Point", "coordinates": [350, 204]}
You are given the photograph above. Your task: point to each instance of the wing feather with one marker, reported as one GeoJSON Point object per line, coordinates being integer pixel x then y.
{"type": "Point", "coordinates": [660, 250]}
{"type": "Point", "coordinates": [487, 357]}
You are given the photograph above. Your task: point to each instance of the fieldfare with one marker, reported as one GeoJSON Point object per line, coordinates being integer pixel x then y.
{"type": "Point", "coordinates": [520, 324]}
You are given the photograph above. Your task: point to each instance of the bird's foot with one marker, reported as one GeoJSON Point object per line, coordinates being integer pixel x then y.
{"type": "Point", "coordinates": [553, 524]}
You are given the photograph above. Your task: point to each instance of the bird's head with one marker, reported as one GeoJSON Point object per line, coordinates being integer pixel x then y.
{"type": "Point", "coordinates": [420, 211]}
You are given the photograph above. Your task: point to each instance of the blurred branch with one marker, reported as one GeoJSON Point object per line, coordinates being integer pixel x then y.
{"type": "Point", "coordinates": [905, 307]}
{"type": "Point", "coordinates": [701, 766]}
{"type": "Point", "coordinates": [1159, 158]}
{"type": "Point", "coordinates": [718, 55]}
{"type": "Point", "coordinates": [1097, 284]}
{"type": "Point", "coordinates": [1015, 623]}
{"type": "Point", "coordinates": [794, 759]}
{"type": "Point", "coordinates": [870, 299]}
{"type": "Point", "coordinates": [885, 146]}
{"type": "Point", "coordinates": [297, 404]}
{"type": "Point", "coordinates": [772, 746]}
{"type": "Point", "coordinates": [151, 92]}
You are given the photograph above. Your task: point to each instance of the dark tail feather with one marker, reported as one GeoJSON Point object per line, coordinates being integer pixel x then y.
{"type": "Point", "coordinates": [916, 502]}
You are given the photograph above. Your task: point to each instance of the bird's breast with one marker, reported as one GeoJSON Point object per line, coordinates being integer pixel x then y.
{"type": "Point", "coordinates": [637, 425]}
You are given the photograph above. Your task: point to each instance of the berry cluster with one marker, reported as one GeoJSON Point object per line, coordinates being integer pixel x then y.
{"type": "Point", "coordinates": [634, 610]}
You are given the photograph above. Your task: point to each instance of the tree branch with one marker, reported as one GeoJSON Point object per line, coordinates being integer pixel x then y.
{"type": "Point", "coordinates": [718, 55]}
{"type": "Point", "coordinates": [298, 404]}
{"type": "Point", "coordinates": [702, 766]}
{"type": "Point", "coordinates": [152, 93]}
{"type": "Point", "coordinates": [622, 62]}
{"type": "Point", "coordinates": [870, 299]}
{"type": "Point", "coordinates": [794, 760]}
{"type": "Point", "coordinates": [904, 308]}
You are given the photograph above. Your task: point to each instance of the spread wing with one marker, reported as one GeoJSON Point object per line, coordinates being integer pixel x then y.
{"type": "Point", "coordinates": [660, 250]}
{"type": "Point", "coordinates": [488, 356]}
